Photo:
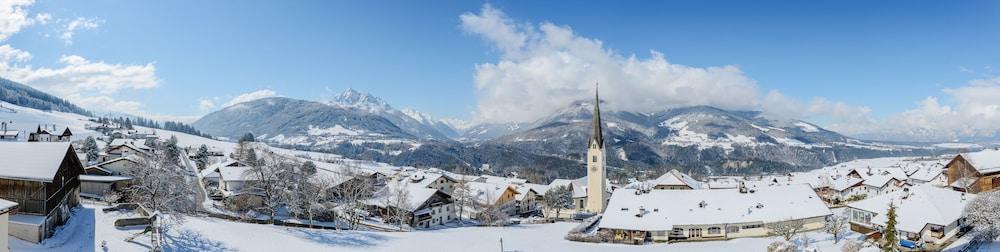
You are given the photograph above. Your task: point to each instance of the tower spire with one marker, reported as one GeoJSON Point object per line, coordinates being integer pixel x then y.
{"type": "Point", "coordinates": [597, 134]}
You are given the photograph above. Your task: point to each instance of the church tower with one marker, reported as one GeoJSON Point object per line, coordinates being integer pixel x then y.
{"type": "Point", "coordinates": [596, 185]}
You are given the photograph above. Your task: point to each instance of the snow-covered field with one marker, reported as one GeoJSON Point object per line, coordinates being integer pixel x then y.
{"type": "Point", "coordinates": [90, 227]}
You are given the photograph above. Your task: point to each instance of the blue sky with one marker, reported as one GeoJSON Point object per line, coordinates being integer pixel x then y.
{"type": "Point", "coordinates": [885, 56]}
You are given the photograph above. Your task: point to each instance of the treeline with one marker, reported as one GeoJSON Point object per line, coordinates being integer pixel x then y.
{"type": "Point", "coordinates": [128, 123]}
{"type": "Point", "coordinates": [25, 96]}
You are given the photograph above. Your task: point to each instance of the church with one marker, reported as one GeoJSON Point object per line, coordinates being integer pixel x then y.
{"type": "Point", "coordinates": [591, 193]}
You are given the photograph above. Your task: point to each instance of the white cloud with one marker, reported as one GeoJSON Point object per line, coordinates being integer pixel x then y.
{"type": "Point", "coordinates": [79, 75]}
{"type": "Point", "coordinates": [255, 95]}
{"type": "Point", "coordinates": [10, 54]}
{"type": "Point", "coordinates": [205, 104]}
{"type": "Point", "coordinates": [42, 18]}
{"type": "Point", "coordinates": [78, 24]}
{"type": "Point", "coordinates": [13, 17]}
{"type": "Point", "coordinates": [545, 67]}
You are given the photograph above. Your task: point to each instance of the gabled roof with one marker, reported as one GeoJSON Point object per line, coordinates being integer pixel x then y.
{"type": "Point", "coordinates": [486, 193]}
{"type": "Point", "coordinates": [926, 174]}
{"type": "Point", "coordinates": [677, 178]}
{"type": "Point", "coordinates": [845, 183]}
{"type": "Point", "coordinates": [500, 180]}
{"type": "Point", "coordinates": [879, 180]}
{"type": "Point", "coordinates": [67, 132]}
{"type": "Point", "coordinates": [539, 189]}
{"type": "Point", "coordinates": [986, 161]}
{"type": "Point", "coordinates": [922, 205]}
{"type": "Point", "coordinates": [416, 195]}
{"type": "Point", "coordinates": [236, 173]}
{"type": "Point", "coordinates": [654, 210]}
{"type": "Point", "coordinates": [34, 161]}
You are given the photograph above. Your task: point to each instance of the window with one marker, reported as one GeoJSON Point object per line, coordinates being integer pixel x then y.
{"type": "Point", "coordinates": [714, 230]}
{"type": "Point", "coordinates": [752, 226]}
{"type": "Point", "coordinates": [732, 229]}
{"type": "Point", "coordinates": [594, 158]}
{"type": "Point", "coordinates": [694, 233]}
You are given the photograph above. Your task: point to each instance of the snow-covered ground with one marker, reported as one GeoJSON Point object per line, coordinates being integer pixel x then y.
{"type": "Point", "coordinates": [90, 227]}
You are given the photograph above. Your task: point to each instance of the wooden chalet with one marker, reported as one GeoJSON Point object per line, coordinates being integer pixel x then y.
{"type": "Point", "coordinates": [43, 179]}
{"type": "Point", "coordinates": [975, 172]}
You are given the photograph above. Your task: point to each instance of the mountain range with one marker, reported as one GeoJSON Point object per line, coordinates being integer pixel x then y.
{"type": "Point", "coordinates": [702, 140]}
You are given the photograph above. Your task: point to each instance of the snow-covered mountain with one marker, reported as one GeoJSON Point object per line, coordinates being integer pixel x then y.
{"type": "Point", "coordinates": [410, 121]}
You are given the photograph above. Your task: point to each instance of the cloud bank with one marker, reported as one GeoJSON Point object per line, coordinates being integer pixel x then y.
{"type": "Point", "coordinates": [543, 67]}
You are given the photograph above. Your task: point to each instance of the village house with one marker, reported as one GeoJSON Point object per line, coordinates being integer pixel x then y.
{"type": "Point", "coordinates": [40, 135]}
{"type": "Point", "coordinates": [125, 147]}
{"type": "Point", "coordinates": [676, 180]}
{"type": "Point", "coordinates": [422, 207]}
{"type": "Point", "coordinates": [923, 213]}
{"type": "Point", "coordinates": [843, 189]}
{"type": "Point", "coordinates": [928, 175]}
{"type": "Point", "coordinates": [526, 201]}
{"type": "Point", "coordinates": [975, 172]}
{"type": "Point", "coordinates": [99, 186]}
{"type": "Point", "coordinates": [501, 197]}
{"type": "Point", "coordinates": [578, 187]}
{"type": "Point", "coordinates": [7, 135]}
{"type": "Point", "coordinates": [882, 184]}
{"type": "Point", "coordinates": [43, 179]}
{"type": "Point", "coordinates": [637, 216]}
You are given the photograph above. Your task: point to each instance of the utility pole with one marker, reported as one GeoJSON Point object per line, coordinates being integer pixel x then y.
{"type": "Point", "coordinates": [501, 244]}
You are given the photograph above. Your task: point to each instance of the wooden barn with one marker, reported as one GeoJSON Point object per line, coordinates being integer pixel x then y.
{"type": "Point", "coordinates": [43, 179]}
{"type": "Point", "coordinates": [975, 172]}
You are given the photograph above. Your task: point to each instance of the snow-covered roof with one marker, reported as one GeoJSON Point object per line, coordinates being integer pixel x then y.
{"type": "Point", "coordinates": [723, 183]}
{"type": "Point", "coordinates": [576, 185]}
{"type": "Point", "coordinates": [487, 193]}
{"type": "Point", "coordinates": [922, 205]}
{"type": "Point", "coordinates": [663, 209]}
{"type": "Point", "coordinates": [539, 189]}
{"type": "Point", "coordinates": [986, 161]}
{"type": "Point", "coordinates": [845, 183]}
{"type": "Point", "coordinates": [236, 173]}
{"type": "Point", "coordinates": [416, 195]}
{"type": "Point", "coordinates": [120, 159]}
{"type": "Point", "coordinates": [879, 180]}
{"type": "Point", "coordinates": [35, 161]}
{"type": "Point", "coordinates": [9, 133]}
{"type": "Point", "coordinates": [98, 178]}
{"type": "Point", "coordinates": [500, 180]}
{"type": "Point", "coordinates": [524, 191]}
{"type": "Point", "coordinates": [136, 144]}
{"type": "Point", "coordinates": [677, 178]}
{"type": "Point", "coordinates": [926, 174]}
{"type": "Point", "coordinates": [6, 205]}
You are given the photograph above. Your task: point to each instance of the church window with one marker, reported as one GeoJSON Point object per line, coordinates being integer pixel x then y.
{"type": "Point", "coordinates": [594, 158]}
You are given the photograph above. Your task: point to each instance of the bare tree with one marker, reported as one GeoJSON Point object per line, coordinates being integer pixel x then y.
{"type": "Point", "coordinates": [781, 246]}
{"type": "Point", "coordinates": [352, 193]}
{"type": "Point", "coordinates": [400, 198]}
{"type": "Point", "coordinates": [558, 198]}
{"type": "Point", "coordinates": [160, 185]}
{"type": "Point", "coordinates": [836, 226]}
{"type": "Point", "coordinates": [270, 176]}
{"type": "Point", "coordinates": [310, 196]}
{"type": "Point", "coordinates": [786, 229]}
{"type": "Point", "coordinates": [463, 198]}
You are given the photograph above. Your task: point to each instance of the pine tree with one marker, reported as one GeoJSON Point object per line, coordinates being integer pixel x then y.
{"type": "Point", "coordinates": [90, 147]}
{"type": "Point", "coordinates": [889, 236]}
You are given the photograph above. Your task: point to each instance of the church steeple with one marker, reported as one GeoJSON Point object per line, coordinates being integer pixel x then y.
{"type": "Point", "coordinates": [597, 135]}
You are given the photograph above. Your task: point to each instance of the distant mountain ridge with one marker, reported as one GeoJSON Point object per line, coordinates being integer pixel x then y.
{"type": "Point", "coordinates": [25, 96]}
{"type": "Point", "coordinates": [700, 139]}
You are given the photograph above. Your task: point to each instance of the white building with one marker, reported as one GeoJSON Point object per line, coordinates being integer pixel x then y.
{"type": "Point", "coordinates": [5, 207]}
{"type": "Point", "coordinates": [424, 207]}
{"type": "Point", "coordinates": [636, 216]}
{"type": "Point", "coordinates": [923, 213]}
{"type": "Point", "coordinates": [676, 180]}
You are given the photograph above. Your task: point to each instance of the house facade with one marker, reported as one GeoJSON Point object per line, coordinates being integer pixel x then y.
{"type": "Point", "coordinates": [924, 213]}
{"type": "Point", "coordinates": [975, 172]}
{"type": "Point", "coordinates": [43, 179]}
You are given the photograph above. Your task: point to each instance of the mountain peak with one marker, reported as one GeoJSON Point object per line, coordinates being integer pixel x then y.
{"type": "Point", "coordinates": [360, 100]}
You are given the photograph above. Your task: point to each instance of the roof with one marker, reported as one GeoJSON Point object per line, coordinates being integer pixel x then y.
{"type": "Point", "coordinates": [577, 186]}
{"type": "Point", "coordinates": [986, 161]}
{"type": "Point", "coordinates": [539, 189]}
{"type": "Point", "coordinates": [879, 180]}
{"type": "Point", "coordinates": [98, 178]}
{"type": "Point", "coordinates": [597, 134]}
{"type": "Point", "coordinates": [6, 205]}
{"type": "Point", "coordinates": [845, 183]}
{"type": "Point", "coordinates": [523, 191]}
{"type": "Point", "coordinates": [486, 193]}
{"type": "Point", "coordinates": [922, 205]}
{"type": "Point", "coordinates": [663, 209]}
{"type": "Point", "coordinates": [67, 132]}
{"type": "Point", "coordinates": [35, 161]}
{"type": "Point", "coordinates": [9, 133]}
{"type": "Point", "coordinates": [500, 180]}
{"type": "Point", "coordinates": [136, 144]}
{"type": "Point", "coordinates": [926, 174]}
{"type": "Point", "coordinates": [416, 195]}
{"type": "Point", "coordinates": [677, 178]}
{"type": "Point", "coordinates": [236, 173]}
{"type": "Point", "coordinates": [125, 158]}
